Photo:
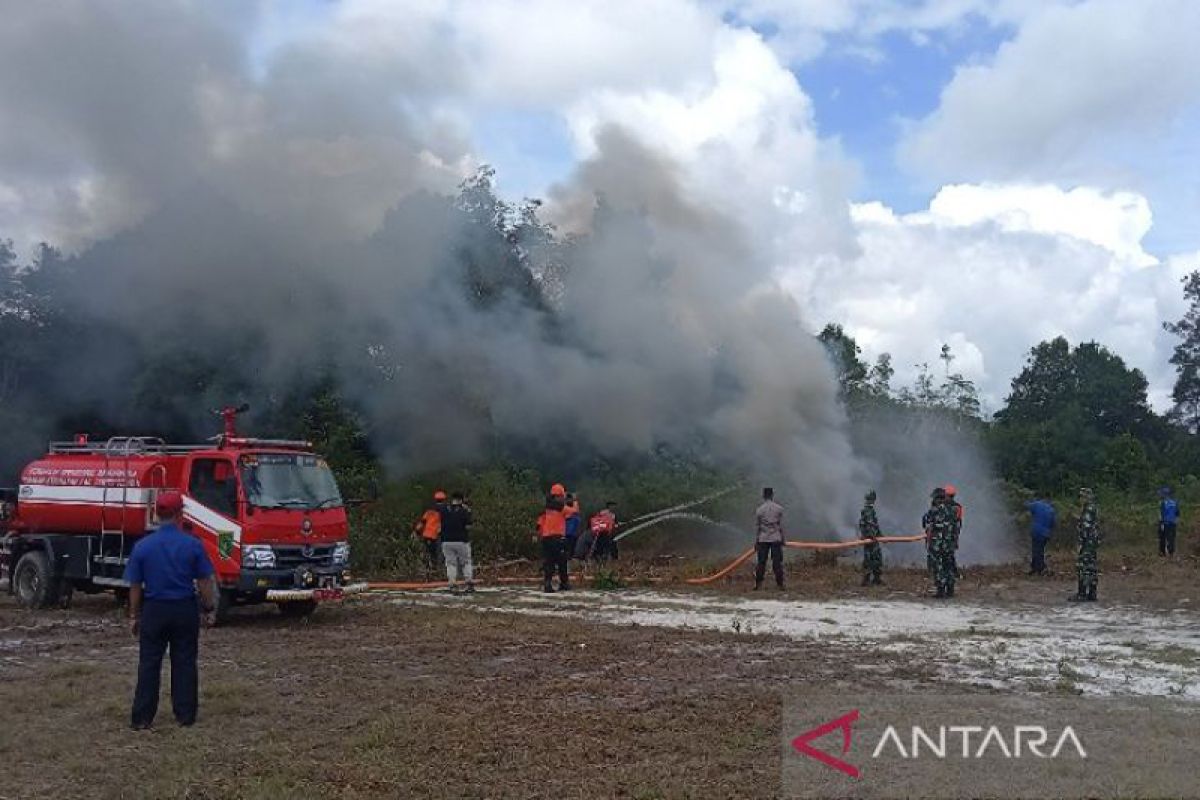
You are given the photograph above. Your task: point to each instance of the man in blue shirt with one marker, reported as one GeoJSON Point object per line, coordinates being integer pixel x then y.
{"type": "Point", "coordinates": [1041, 515]}
{"type": "Point", "coordinates": [1168, 518]}
{"type": "Point", "coordinates": [165, 570]}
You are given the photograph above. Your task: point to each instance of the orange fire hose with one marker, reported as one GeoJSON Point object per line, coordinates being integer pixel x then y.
{"type": "Point", "coordinates": [737, 562]}
{"type": "Point", "coordinates": [420, 586]}
{"type": "Point", "coordinates": [920, 537]}
{"type": "Point", "coordinates": [716, 576]}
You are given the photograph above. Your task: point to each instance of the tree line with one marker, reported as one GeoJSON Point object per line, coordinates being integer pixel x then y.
{"type": "Point", "coordinates": [1075, 415]}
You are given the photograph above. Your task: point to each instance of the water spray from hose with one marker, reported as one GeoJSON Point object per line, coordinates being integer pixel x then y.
{"type": "Point", "coordinates": [660, 515]}
{"type": "Point", "coordinates": [668, 515]}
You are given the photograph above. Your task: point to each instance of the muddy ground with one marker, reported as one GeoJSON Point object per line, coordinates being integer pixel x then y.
{"type": "Point", "coordinates": [657, 690]}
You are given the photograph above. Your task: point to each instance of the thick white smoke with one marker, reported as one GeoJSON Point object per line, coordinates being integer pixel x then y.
{"type": "Point", "coordinates": [290, 210]}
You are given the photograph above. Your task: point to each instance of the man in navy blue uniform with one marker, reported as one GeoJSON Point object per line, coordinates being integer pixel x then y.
{"type": "Point", "coordinates": [1168, 519]}
{"type": "Point", "coordinates": [165, 571]}
{"type": "Point", "coordinates": [1041, 524]}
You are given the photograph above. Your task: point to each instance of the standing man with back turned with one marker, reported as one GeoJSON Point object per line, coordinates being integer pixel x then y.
{"type": "Point", "coordinates": [456, 543]}
{"type": "Point", "coordinates": [164, 572]}
{"type": "Point", "coordinates": [1041, 525]}
{"type": "Point", "coordinates": [1088, 530]}
{"type": "Point", "coordinates": [768, 539]}
{"type": "Point", "coordinates": [1168, 520]}
{"type": "Point", "coordinates": [868, 528]}
{"type": "Point", "coordinates": [551, 528]}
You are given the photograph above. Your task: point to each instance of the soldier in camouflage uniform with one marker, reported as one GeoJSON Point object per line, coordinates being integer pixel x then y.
{"type": "Point", "coordinates": [1089, 543]}
{"type": "Point", "coordinates": [926, 521]}
{"type": "Point", "coordinates": [868, 528]}
{"type": "Point", "coordinates": [940, 538]}
{"type": "Point", "coordinates": [956, 507]}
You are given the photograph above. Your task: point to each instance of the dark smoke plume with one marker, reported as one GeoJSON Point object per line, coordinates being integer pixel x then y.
{"type": "Point", "coordinates": [238, 229]}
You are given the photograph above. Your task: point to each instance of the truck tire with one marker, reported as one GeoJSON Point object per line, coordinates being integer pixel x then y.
{"type": "Point", "coordinates": [34, 582]}
{"type": "Point", "coordinates": [224, 602]}
{"type": "Point", "coordinates": [298, 608]}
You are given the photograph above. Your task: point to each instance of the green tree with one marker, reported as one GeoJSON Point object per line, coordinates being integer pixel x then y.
{"type": "Point", "coordinates": [845, 354]}
{"type": "Point", "coordinates": [880, 380]}
{"type": "Point", "coordinates": [1088, 381]}
{"type": "Point", "coordinates": [1186, 358]}
{"type": "Point", "coordinates": [1076, 415]}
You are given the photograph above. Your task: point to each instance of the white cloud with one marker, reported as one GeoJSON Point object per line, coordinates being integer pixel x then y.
{"type": "Point", "coordinates": [1077, 82]}
{"type": "Point", "coordinates": [745, 141]}
{"type": "Point", "coordinates": [992, 270]}
{"type": "Point", "coordinates": [999, 261]}
{"type": "Point", "coordinates": [1116, 221]}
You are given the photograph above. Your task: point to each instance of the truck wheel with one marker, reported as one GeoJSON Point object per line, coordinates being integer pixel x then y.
{"type": "Point", "coordinates": [224, 603]}
{"type": "Point", "coordinates": [298, 608]}
{"type": "Point", "coordinates": [34, 583]}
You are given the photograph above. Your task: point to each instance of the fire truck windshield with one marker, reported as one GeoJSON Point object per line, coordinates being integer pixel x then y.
{"type": "Point", "coordinates": [289, 480]}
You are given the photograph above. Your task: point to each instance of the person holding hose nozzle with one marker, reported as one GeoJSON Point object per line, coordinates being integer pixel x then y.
{"type": "Point", "coordinates": [551, 531]}
{"type": "Point", "coordinates": [768, 539]}
{"type": "Point", "coordinates": [573, 522]}
{"type": "Point", "coordinates": [429, 528]}
{"type": "Point", "coordinates": [165, 572]}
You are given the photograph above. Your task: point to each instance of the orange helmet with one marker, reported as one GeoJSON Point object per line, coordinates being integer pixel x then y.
{"type": "Point", "coordinates": [950, 490]}
{"type": "Point", "coordinates": [558, 489]}
{"type": "Point", "coordinates": [439, 495]}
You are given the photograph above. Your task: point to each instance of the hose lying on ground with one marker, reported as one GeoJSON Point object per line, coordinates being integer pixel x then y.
{"type": "Point", "coordinates": [402, 586]}
{"type": "Point", "coordinates": [737, 562]}
{"type": "Point", "coordinates": [716, 576]}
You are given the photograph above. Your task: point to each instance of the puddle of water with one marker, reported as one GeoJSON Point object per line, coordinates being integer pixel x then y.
{"type": "Point", "coordinates": [1092, 649]}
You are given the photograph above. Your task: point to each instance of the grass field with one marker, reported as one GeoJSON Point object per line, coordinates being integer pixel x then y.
{"type": "Point", "coordinates": [642, 693]}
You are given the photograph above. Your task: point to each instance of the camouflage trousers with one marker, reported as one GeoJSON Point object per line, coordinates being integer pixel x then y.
{"type": "Point", "coordinates": [1085, 563]}
{"type": "Point", "coordinates": [872, 560]}
{"type": "Point", "coordinates": [942, 565]}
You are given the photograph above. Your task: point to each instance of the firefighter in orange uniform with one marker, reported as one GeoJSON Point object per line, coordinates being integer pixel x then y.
{"type": "Point", "coordinates": [429, 529]}
{"type": "Point", "coordinates": [551, 531]}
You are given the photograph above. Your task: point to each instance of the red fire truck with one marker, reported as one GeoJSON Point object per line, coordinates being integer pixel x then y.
{"type": "Point", "coordinates": [268, 512]}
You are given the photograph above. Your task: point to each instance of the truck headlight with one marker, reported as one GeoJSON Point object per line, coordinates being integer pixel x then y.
{"type": "Point", "coordinates": [258, 556]}
{"type": "Point", "coordinates": [341, 553]}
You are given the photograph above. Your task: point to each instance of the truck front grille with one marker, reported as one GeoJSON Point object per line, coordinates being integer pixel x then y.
{"type": "Point", "coordinates": [288, 557]}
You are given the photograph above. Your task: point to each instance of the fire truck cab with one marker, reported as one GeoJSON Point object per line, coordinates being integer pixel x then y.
{"type": "Point", "coordinates": [268, 512]}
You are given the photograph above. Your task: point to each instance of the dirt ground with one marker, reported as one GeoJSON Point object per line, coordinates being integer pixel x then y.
{"type": "Point", "coordinates": [648, 692]}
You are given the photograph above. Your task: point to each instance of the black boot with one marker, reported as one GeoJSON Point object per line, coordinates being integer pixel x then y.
{"type": "Point", "coordinates": [548, 587]}
{"type": "Point", "coordinates": [941, 593]}
{"type": "Point", "coordinates": [878, 581]}
{"type": "Point", "coordinates": [564, 586]}
{"type": "Point", "coordinates": [1091, 593]}
{"type": "Point", "coordinates": [779, 585]}
{"type": "Point", "coordinates": [1080, 595]}
{"type": "Point", "coordinates": [866, 580]}
{"type": "Point", "coordinates": [757, 584]}
{"type": "Point", "coordinates": [950, 590]}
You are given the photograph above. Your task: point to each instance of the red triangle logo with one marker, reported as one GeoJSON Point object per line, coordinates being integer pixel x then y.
{"type": "Point", "coordinates": [845, 724]}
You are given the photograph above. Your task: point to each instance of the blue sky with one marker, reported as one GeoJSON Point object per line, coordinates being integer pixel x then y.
{"type": "Point", "coordinates": [866, 92]}
{"type": "Point", "coordinates": [863, 100]}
